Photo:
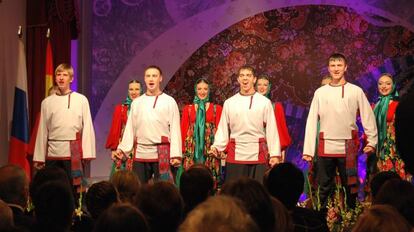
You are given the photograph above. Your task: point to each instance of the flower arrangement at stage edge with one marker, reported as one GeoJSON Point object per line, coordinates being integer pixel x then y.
{"type": "Point", "coordinates": [78, 210]}
{"type": "Point", "coordinates": [339, 217]}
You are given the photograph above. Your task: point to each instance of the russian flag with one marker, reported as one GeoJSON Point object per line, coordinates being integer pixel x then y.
{"type": "Point", "coordinates": [20, 123]}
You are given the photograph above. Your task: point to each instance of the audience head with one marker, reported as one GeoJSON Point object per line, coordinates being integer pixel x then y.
{"type": "Point", "coordinates": [381, 218]}
{"type": "Point", "coordinates": [162, 205]}
{"type": "Point", "coordinates": [99, 197]}
{"type": "Point", "coordinates": [404, 127]}
{"type": "Point", "coordinates": [46, 174]}
{"type": "Point", "coordinates": [6, 217]}
{"type": "Point", "coordinates": [221, 214]}
{"type": "Point", "coordinates": [54, 206]}
{"type": "Point", "coordinates": [399, 194]}
{"type": "Point", "coordinates": [14, 186]}
{"type": "Point", "coordinates": [127, 183]}
{"type": "Point", "coordinates": [122, 218]}
{"type": "Point", "coordinates": [285, 182]}
{"type": "Point", "coordinates": [256, 200]}
{"type": "Point", "coordinates": [196, 185]}
{"type": "Point", "coordinates": [283, 221]}
{"type": "Point", "coordinates": [379, 179]}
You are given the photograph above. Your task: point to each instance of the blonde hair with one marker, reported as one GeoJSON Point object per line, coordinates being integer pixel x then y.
{"type": "Point", "coordinates": [52, 90]}
{"type": "Point", "coordinates": [64, 67]}
{"type": "Point", "coordinates": [326, 80]}
{"type": "Point", "coordinates": [219, 213]}
{"type": "Point", "coordinates": [127, 184]}
{"type": "Point", "coordinates": [377, 219]}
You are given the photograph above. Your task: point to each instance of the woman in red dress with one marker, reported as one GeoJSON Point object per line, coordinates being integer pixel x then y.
{"type": "Point", "coordinates": [198, 125]}
{"type": "Point", "coordinates": [119, 121]}
{"type": "Point", "coordinates": [263, 87]}
{"type": "Point", "coordinates": [388, 158]}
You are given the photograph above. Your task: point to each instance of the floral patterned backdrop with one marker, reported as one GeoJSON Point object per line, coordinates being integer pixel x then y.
{"type": "Point", "coordinates": [291, 46]}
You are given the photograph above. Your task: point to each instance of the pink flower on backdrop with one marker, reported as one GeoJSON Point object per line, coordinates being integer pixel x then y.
{"type": "Point", "coordinates": [375, 63]}
{"type": "Point", "coordinates": [213, 50]}
{"type": "Point", "coordinates": [285, 16]}
{"type": "Point", "coordinates": [318, 30]}
{"type": "Point", "coordinates": [358, 44]}
{"type": "Point", "coordinates": [283, 52]}
{"type": "Point", "coordinates": [298, 46]}
{"type": "Point", "coordinates": [259, 19]}
{"type": "Point", "coordinates": [358, 25]}
{"type": "Point", "coordinates": [288, 34]}
{"type": "Point", "coordinates": [190, 73]}
{"type": "Point", "coordinates": [252, 41]}
{"type": "Point", "coordinates": [177, 82]}
{"type": "Point", "coordinates": [245, 44]}
{"type": "Point", "coordinates": [328, 29]}
{"type": "Point", "coordinates": [342, 19]}
{"type": "Point", "coordinates": [326, 47]}
{"type": "Point", "coordinates": [235, 60]}
{"type": "Point", "coordinates": [201, 63]}
{"type": "Point", "coordinates": [274, 67]}
{"type": "Point", "coordinates": [300, 21]}
{"type": "Point", "coordinates": [231, 69]}
{"type": "Point", "coordinates": [220, 74]}
{"type": "Point", "coordinates": [391, 43]}
{"type": "Point", "coordinates": [237, 44]}
{"type": "Point", "coordinates": [247, 24]}
{"type": "Point", "coordinates": [301, 65]}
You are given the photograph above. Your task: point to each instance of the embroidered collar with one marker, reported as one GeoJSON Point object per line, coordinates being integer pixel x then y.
{"type": "Point", "coordinates": [247, 94]}
{"type": "Point", "coordinates": [338, 85]}
{"type": "Point", "coordinates": [59, 94]}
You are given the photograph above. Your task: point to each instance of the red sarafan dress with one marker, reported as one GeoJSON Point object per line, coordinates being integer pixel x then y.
{"type": "Point", "coordinates": [282, 128]}
{"type": "Point", "coordinates": [188, 119]}
{"type": "Point", "coordinates": [119, 121]}
{"type": "Point", "coordinates": [392, 160]}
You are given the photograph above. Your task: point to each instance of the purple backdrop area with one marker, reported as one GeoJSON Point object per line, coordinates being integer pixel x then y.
{"type": "Point", "coordinates": [123, 28]}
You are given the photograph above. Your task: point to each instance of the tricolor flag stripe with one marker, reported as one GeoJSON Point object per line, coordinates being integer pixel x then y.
{"type": "Point", "coordinates": [20, 117]}
{"type": "Point", "coordinates": [20, 123]}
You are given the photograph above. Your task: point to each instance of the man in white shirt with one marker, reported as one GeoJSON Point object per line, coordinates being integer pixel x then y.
{"type": "Point", "coordinates": [153, 126]}
{"type": "Point", "coordinates": [336, 106]}
{"type": "Point", "coordinates": [65, 135]}
{"type": "Point", "coordinates": [247, 131]}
